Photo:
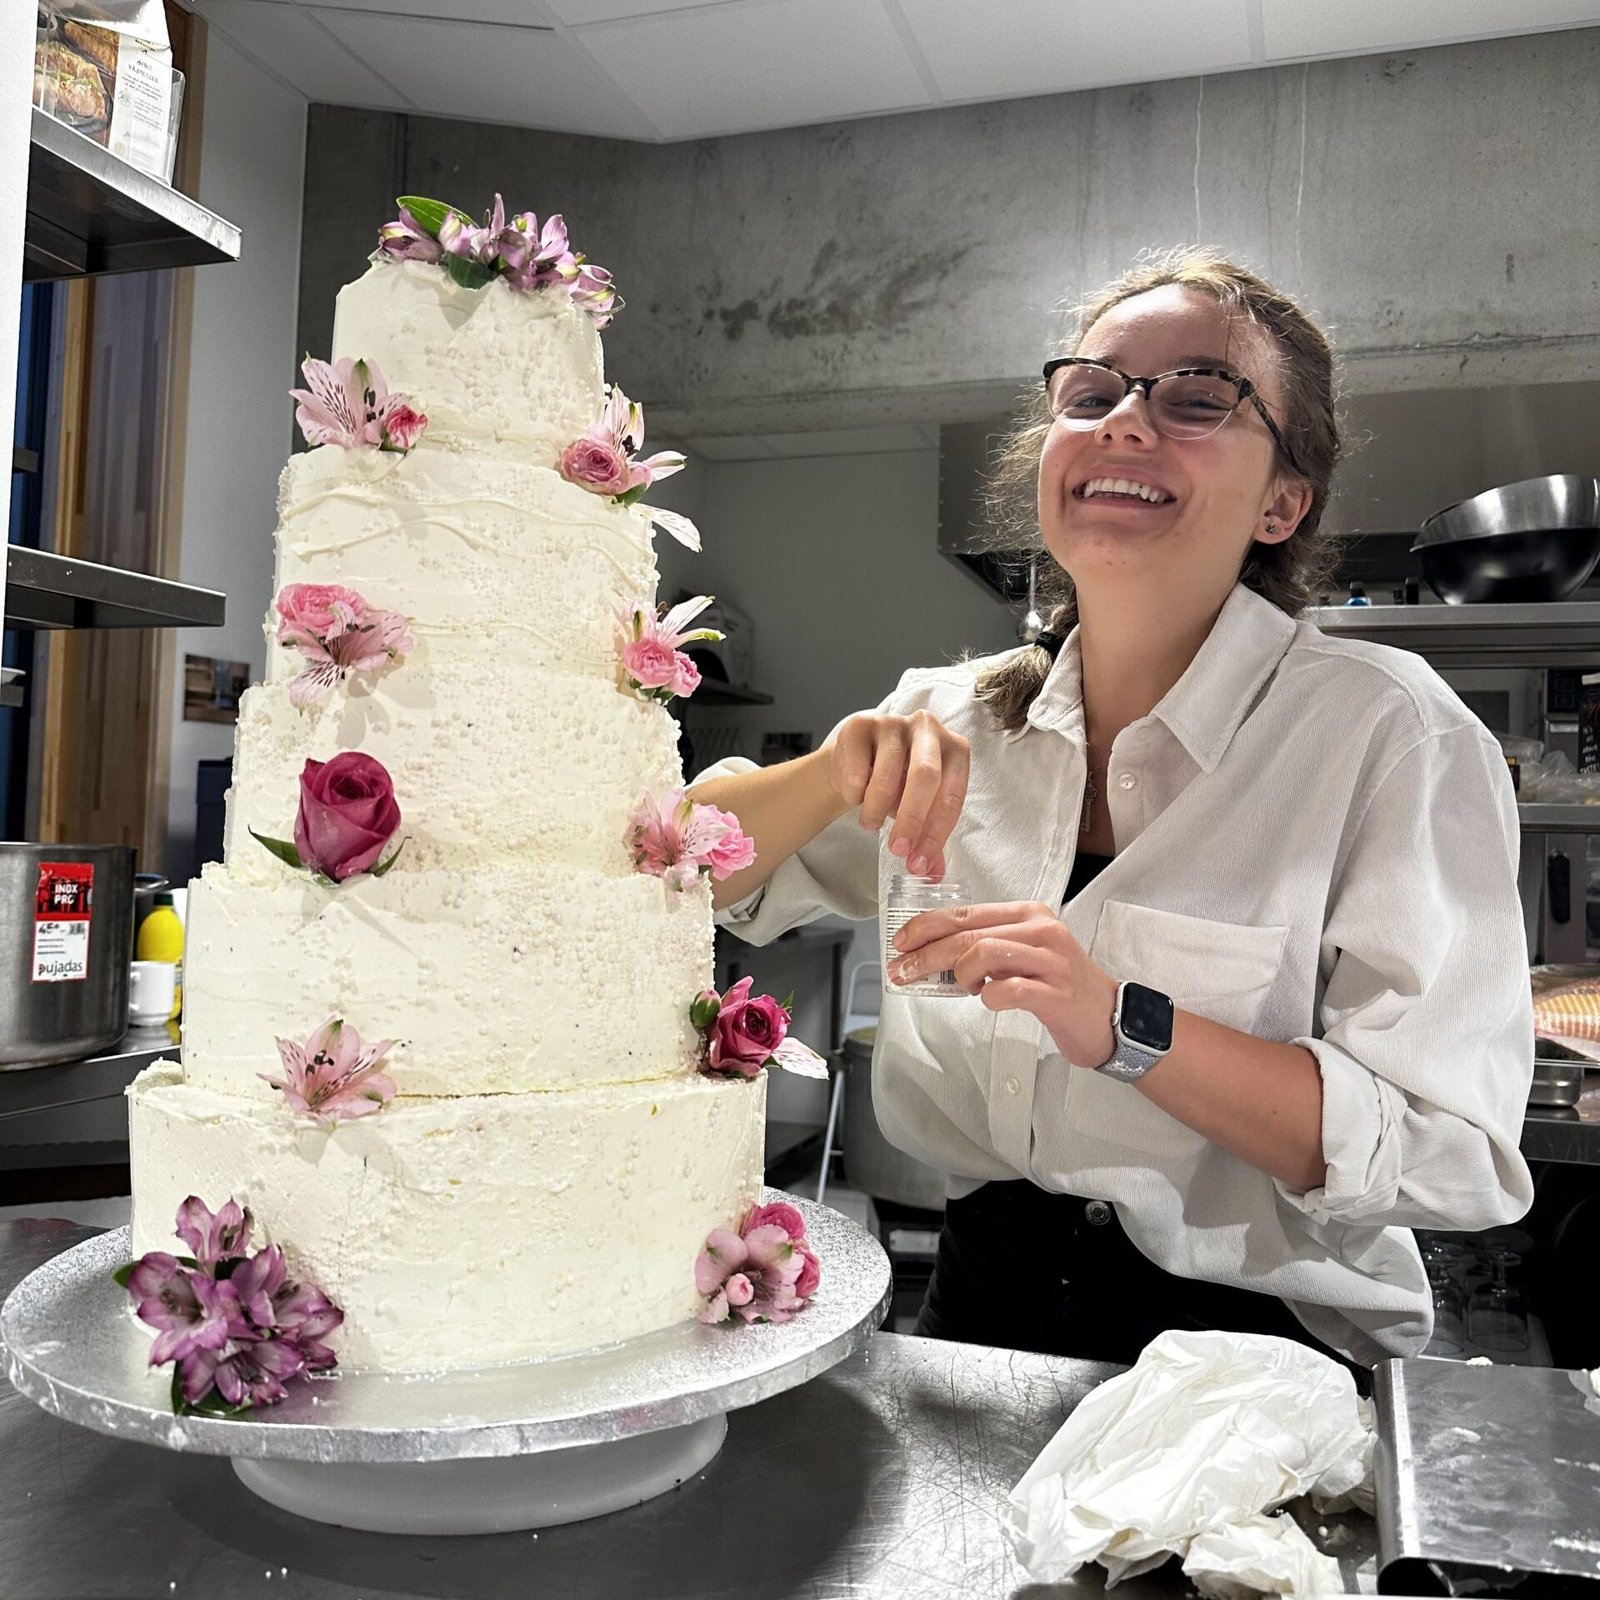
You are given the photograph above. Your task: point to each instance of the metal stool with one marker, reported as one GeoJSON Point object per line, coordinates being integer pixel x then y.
{"type": "Point", "coordinates": [871, 973]}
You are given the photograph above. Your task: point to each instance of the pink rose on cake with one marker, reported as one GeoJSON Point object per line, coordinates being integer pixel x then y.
{"type": "Point", "coordinates": [764, 1272]}
{"type": "Point", "coordinates": [347, 403]}
{"type": "Point", "coordinates": [334, 1074]}
{"type": "Point", "coordinates": [603, 460]}
{"type": "Point", "coordinates": [744, 1033]}
{"type": "Point", "coordinates": [651, 648]}
{"type": "Point", "coordinates": [338, 633]}
{"type": "Point", "coordinates": [347, 814]}
{"type": "Point", "coordinates": [676, 840]}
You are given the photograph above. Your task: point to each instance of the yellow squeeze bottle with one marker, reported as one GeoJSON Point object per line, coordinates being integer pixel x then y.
{"type": "Point", "coordinates": [161, 939]}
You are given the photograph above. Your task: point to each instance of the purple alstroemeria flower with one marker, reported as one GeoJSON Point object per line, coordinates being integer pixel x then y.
{"type": "Point", "coordinates": [192, 1312]}
{"type": "Point", "coordinates": [304, 1314]}
{"type": "Point", "coordinates": [251, 1373]}
{"type": "Point", "coordinates": [405, 240]}
{"type": "Point", "coordinates": [213, 1237]}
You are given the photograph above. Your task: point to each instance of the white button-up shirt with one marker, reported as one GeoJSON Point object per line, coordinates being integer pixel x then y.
{"type": "Point", "coordinates": [1316, 842]}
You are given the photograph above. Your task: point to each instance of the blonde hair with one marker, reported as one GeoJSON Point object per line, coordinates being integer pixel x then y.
{"type": "Point", "coordinates": [1289, 573]}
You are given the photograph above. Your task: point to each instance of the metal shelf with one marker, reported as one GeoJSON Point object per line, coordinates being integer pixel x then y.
{"type": "Point", "coordinates": [1536, 818]}
{"type": "Point", "coordinates": [91, 212]}
{"type": "Point", "coordinates": [44, 590]}
{"type": "Point", "coordinates": [1559, 634]}
{"type": "Point", "coordinates": [25, 1090]}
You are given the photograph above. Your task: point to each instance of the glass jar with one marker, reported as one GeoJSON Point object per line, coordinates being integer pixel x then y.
{"type": "Point", "coordinates": [908, 895]}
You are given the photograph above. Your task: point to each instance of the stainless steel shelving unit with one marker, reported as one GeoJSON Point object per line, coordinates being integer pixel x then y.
{"type": "Point", "coordinates": [90, 212]}
{"type": "Point", "coordinates": [44, 590]}
{"type": "Point", "coordinates": [1559, 634]}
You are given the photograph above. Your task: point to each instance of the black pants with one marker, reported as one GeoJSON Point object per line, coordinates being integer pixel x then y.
{"type": "Point", "coordinates": [1023, 1269]}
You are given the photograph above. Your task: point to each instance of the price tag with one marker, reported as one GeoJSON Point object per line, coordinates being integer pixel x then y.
{"type": "Point", "coordinates": [61, 921]}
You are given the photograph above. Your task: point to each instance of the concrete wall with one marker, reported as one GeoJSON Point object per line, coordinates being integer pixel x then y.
{"type": "Point", "coordinates": [1426, 206]}
{"type": "Point", "coordinates": [244, 359]}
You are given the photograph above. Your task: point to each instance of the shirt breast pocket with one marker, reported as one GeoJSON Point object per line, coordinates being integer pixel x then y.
{"type": "Point", "coordinates": [1220, 970]}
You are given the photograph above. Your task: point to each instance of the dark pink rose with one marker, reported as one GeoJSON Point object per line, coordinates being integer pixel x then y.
{"type": "Point", "coordinates": [348, 813]}
{"type": "Point", "coordinates": [594, 465]}
{"type": "Point", "coordinates": [746, 1031]}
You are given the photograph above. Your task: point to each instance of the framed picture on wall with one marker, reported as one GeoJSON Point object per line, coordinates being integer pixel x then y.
{"type": "Point", "coordinates": [212, 687]}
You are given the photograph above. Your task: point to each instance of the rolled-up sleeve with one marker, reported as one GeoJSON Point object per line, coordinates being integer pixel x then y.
{"type": "Point", "coordinates": [836, 872]}
{"type": "Point", "coordinates": [1426, 1042]}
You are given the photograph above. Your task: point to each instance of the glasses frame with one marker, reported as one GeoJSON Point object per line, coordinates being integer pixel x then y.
{"type": "Point", "coordinates": [1245, 389]}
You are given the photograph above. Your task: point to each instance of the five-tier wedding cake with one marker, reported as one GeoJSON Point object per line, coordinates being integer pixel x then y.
{"type": "Point", "coordinates": [470, 948]}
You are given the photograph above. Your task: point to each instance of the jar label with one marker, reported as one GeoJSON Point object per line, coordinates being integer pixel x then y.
{"type": "Point", "coordinates": [61, 921]}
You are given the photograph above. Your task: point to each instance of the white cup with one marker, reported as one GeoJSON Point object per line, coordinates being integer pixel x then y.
{"type": "Point", "coordinates": [152, 988]}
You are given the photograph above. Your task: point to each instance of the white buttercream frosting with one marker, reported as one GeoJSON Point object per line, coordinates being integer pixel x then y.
{"type": "Point", "coordinates": [497, 979]}
{"type": "Point", "coordinates": [499, 369]}
{"type": "Point", "coordinates": [468, 1231]}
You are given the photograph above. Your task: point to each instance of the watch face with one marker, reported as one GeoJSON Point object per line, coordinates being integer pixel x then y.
{"type": "Point", "coordinates": [1146, 1016]}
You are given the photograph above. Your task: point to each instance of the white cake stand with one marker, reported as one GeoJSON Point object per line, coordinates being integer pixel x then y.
{"type": "Point", "coordinates": [477, 1450]}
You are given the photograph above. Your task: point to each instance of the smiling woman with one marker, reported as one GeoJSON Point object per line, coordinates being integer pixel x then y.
{"type": "Point", "coordinates": [1241, 995]}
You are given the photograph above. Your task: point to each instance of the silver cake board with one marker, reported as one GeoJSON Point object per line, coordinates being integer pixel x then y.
{"type": "Point", "coordinates": [471, 1450]}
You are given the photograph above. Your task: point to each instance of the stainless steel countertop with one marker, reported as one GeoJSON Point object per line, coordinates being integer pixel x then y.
{"type": "Point", "coordinates": [883, 1478]}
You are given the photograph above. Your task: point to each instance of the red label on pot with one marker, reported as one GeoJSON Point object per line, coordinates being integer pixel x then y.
{"type": "Point", "coordinates": [61, 921]}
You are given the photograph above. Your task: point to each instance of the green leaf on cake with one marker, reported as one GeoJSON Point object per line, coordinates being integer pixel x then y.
{"type": "Point", "coordinates": [469, 274]}
{"type": "Point", "coordinates": [635, 493]}
{"type": "Point", "coordinates": [123, 1273]}
{"type": "Point", "coordinates": [383, 866]}
{"type": "Point", "coordinates": [428, 215]}
{"type": "Point", "coordinates": [283, 849]}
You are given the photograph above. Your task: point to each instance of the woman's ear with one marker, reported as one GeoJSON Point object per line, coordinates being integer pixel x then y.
{"type": "Point", "coordinates": [1282, 514]}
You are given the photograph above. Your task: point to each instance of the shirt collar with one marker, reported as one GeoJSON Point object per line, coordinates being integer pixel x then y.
{"type": "Point", "coordinates": [1204, 708]}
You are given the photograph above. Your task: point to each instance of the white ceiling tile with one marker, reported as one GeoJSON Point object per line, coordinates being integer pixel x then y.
{"type": "Point", "coordinates": [514, 13]}
{"type": "Point", "coordinates": [575, 12]}
{"type": "Point", "coordinates": [291, 43]}
{"type": "Point", "coordinates": [990, 52]}
{"type": "Point", "coordinates": [767, 64]}
{"type": "Point", "coordinates": [490, 74]}
{"type": "Point", "coordinates": [1294, 29]}
{"type": "Point", "coordinates": [847, 442]}
{"type": "Point", "coordinates": [732, 447]}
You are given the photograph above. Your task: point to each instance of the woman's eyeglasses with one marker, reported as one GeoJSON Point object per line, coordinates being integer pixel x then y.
{"type": "Point", "coordinates": [1190, 403]}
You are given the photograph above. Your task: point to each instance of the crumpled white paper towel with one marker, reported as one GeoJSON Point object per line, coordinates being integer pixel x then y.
{"type": "Point", "coordinates": [1184, 1453]}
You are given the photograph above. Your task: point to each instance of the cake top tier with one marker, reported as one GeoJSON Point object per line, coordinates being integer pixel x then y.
{"type": "Point", "coordinates": [491, 331]}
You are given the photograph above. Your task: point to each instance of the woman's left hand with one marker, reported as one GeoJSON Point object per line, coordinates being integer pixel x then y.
{"type": "Point", "coordinates": [1017, 956]}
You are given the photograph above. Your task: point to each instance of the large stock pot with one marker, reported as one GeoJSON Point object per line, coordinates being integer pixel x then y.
{"type": "Point", "coordinates": [66, 938]}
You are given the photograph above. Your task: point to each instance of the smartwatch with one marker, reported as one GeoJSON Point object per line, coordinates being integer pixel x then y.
{"type": "Point", "coordinates": [1142, 1027]}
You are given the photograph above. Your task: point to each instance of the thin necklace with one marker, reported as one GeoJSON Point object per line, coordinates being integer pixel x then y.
{"type": "Point", "coordinates": [1089, 790]}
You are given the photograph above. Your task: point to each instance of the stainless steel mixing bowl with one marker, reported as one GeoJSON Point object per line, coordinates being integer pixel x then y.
{"type": "Point", "coordinates": [1530, 541]}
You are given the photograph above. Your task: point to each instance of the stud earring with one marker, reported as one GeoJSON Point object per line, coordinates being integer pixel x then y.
{"type": "Point", "coordinates": [1272, 529]}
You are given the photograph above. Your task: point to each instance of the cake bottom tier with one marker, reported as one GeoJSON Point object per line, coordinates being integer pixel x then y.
{"type": "Point", "coordinates": [467, 1231]}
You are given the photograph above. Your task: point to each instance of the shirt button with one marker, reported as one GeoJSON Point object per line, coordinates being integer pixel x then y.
{"type": "Point", "coordinates": [1097, 1212]}
{"type": "Point", "coordinates": [1013, 1086]}
{"type": "Point", "coordinates": [1127, 781]}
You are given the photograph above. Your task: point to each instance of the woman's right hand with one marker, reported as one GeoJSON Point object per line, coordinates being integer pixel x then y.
{"type": "Point", "coordinates": [911, 768]}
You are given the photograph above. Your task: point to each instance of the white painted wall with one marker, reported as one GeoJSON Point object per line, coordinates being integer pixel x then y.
{"type": "Point", "coordinates": [834, 560]}
{"type": "Point", "coordinates": [16, 87]}
{"type": "Point", "coordinates": [244, 360]}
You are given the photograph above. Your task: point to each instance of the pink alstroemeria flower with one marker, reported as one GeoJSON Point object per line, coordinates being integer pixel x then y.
{"type": "Point", "coordinates": [338, 633]}
{"type": "Point", "coordinates": [754, 1273]}
{"type": "Point", "coordinates": [532, 257]}
{"type": "Point", "coordinates": [405, 239]}
{"type": "Point", "coordinates": [347, 403]}
{"type": "Point", "coordinates": [593, 291]}
{"type": "Point", "coordinates": [652, 648]}
{"type": "Point", "coordinates": [334, 1075]}
{"type": "Point", "coordinates": [675, 839]}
